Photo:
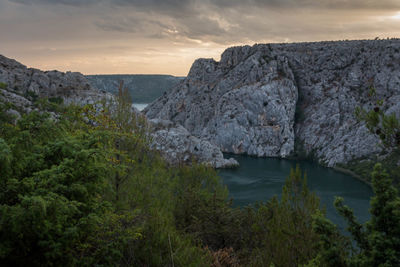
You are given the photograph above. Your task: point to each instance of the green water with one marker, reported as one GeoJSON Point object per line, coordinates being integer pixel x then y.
{"type": "Point", "coordinates": [258, 179]}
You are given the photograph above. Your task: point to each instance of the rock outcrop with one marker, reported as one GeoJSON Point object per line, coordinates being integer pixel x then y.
{"type": "Point", "coordinates": [21, 86]}
{"type": "Point", "coordinates": [242, 104]}
{"type": "Point", "coordinates": [263, 99]}
{"type": "Point", "coordinates": [179, 146]}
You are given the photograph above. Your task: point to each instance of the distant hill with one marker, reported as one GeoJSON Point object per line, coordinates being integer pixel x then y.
{"type": "Point", "coordinates": [143, 88]}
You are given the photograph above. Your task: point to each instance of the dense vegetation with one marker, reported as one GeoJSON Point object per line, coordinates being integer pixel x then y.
{"type": "Point", "coordinates": [80, 186]}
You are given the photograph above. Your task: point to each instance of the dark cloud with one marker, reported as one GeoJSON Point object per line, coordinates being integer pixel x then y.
{"type": "Point", "coordinates": [193, 4]}
{"type": "Point", "coordinates": [126, 24]}
{"type": "Point", "coordinates": [58, 2]}
{"type": "Point", "coordinates": [180, 30]}
{"type": "Point", "coordinates": [291, 4]}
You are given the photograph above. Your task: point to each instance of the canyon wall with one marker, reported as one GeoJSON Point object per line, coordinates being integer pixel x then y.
{"type": "Point", "coordinates": [268, 99]}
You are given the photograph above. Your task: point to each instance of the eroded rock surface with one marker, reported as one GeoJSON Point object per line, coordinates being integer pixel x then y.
{"type": "Point", "coordinates": [263, 99]}
{"type": "Point", "coordinates": [179, 146]}
{"type": "Point", "coordinates": [243, 104]}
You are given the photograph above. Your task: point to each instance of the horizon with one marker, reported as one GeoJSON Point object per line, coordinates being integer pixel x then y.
{"type": "Point", "coordinates": [183, 76]}
{"type": "Point", "coordinates": [155, 37]}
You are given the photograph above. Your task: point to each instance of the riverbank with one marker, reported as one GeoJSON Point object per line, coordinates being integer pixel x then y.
{"type": "Point", "coordinates": [353, 174]}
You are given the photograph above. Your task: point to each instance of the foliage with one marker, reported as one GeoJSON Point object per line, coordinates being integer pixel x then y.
{"type": "Point", "coordinates": [59, 203]}
{"type": "Point", "coordinates": [3, 85]}
{"type": "Point", "coordinates": [31, 95]}
{"type": "Point", "coordinates": [280, 232]}
{"type": "Point", "coordinates": [385, 126]}
{"type": "Point", "coordinates": [56, 100]}
{"type": "Point", "coordinates": [202, 208]}
{"type": "Point", "coordinates": [49, 104]}
{"type": "Point", "coordinates": [84, 188]}
{"type": "Point", "coordinates": [81, 186]}
{"type": "Point", "coordinates": [50, 189]}
{"type": "Point", "coordinates": [365, 166]}
{"type": "Point", "coordinates": [334, 249]}
{"type": "Point", "coordinates": [378, 240]}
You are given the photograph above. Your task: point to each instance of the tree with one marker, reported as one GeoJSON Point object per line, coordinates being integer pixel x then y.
{"type": "Point", "coordinates": [385, 126]}
{"type": "Point", "coordinates": [281, 232]}
{"type": "Point", "coordinates": [378, 240]}
{"type": "Point", "coordinates": [126, 137]}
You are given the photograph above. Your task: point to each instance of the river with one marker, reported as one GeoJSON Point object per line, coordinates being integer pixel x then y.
{"type": "Point", "coordinates": [258, 179]}
{"type": "Point", "coordinates": [140, 106]}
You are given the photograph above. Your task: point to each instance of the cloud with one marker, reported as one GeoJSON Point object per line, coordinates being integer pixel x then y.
{"type": "Point", "coordinates": [58, 2]}
{"type": "Point", "coordinates": [168, 5]}
{"type": "Point", "coordinates": [180, 29]}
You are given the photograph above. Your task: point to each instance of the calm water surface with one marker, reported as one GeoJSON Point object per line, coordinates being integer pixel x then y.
{"type": "Point", "coordinates": [140, 106]}
{"type": "Point", "coordinates": [258, 179]}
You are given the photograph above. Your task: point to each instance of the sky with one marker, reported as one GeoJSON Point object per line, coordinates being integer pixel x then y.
{"type": "Point", "coordinates": [166, 36]}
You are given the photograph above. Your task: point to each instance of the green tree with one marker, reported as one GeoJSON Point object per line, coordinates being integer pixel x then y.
{"type": "Point", "coordinates": [281, 232]}
{"type": "Point", "coordinates": [385, 126]}
{"type": "Point", "coordinates": [333, 248]}
{"type": "Point", "coordinates": [377, 241]}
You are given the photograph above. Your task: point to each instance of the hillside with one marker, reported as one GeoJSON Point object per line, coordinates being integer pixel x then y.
{"type": "Point", "coordinates": [142, 88]}
{"type": "Point", "coordinates": [23, 90]}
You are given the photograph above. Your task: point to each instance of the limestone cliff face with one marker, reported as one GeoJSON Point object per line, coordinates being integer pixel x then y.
{"type": "Point", "coordinates": [259, 100]}
{"type": "Point", "coordinates": [243, 104]}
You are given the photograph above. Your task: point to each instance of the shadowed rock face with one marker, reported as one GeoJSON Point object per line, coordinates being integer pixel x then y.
{"type": "Point", "coordinates": [246, 103]}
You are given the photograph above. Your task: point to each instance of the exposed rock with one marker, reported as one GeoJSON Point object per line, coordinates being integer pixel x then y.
{"type": "Point", "coordinates": [246, 103]}
{"type": "Point", "coordinates": [21, 86]}
{"type": "Point", "coordinates": [179, 146]}
{"type": "Point", "coordinates": [26, 84]}
{"type": "Point", "coordinates": [241, 106]}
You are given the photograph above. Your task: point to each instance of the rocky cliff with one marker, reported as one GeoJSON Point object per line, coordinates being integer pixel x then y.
{"type": "Point", "coordinates": [22, 86]}
{"type": "Point", "coordinates": [264, 99]}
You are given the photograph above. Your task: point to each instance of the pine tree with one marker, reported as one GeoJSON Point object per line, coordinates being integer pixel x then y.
{"type": "Point", "coordinates": [377, 241]}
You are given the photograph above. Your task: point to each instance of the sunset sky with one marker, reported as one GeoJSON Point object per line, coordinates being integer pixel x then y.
{"type": "Point", "coordinates": [166, 36]}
